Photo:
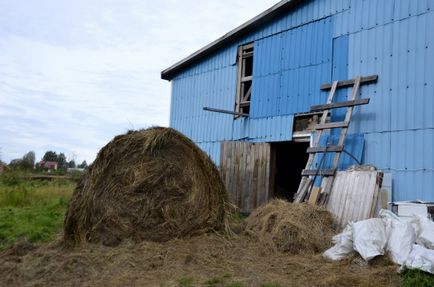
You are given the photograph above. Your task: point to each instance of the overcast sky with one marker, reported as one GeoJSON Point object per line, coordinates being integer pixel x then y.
{"type": "Point", "coordinates": [73, 74]}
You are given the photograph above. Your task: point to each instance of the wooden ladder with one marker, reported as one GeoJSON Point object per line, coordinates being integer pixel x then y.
{"type": "Point", "coordinates": [308, 174]}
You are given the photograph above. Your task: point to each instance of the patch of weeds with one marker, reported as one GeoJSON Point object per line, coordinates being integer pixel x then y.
{"type": "Point", "coordinates": [215, 282]}
{"type": "Point", "coordinates": [237, 217]}
{"type": "Point", "coordinates": [224, 281]}
{"type": "Point", "coordinates": [185, 282]}
{"type": "Point", "coordinates": [414, 277]}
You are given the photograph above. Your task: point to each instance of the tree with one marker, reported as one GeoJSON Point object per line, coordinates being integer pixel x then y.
{"type": "Point", "coordinates": [83, 165]}
{"type": "Point", "coordinates": [61, 161]}
{"type": "Point", "coordinates": [71, 164]}
{"type": "Point", "coordinates": [50, 156]}
{"type": "Point", "coordinates": [28, 161]}
{"type": "Point", "coordinates": [15, 163]}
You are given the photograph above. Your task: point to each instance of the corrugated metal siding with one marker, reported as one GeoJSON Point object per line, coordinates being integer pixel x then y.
{"type": "Point", "coordinates": [321, 40]}
{"type": "Point", "coordinates": [277, 92]}
{"type": "Point", "coordinates": [398, 123]}
{"type": "Point", "coordinates": [288, 69]}
{"type": "Point", "coordinates": [354, 195]}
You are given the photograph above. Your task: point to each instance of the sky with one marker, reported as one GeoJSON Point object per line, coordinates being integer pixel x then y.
{"type": "Point", "coordinates": [75, 73]}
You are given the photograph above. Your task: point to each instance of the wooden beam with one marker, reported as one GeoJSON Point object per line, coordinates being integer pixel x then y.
{"type": "Point", "coordinates": [313, 198]}
{"type": "Point", "coordinates": [247, 95]}
{"type": "Point", "coordinates": [246, 79]}
{"type": "Point", "coordinates": [324, 149]}
{"type": "Point", "coordinates": [339, 105]}
{"type": "Point", "coordinates": [321, 172]}
{"type": "Point", "coordinates": [349, 83]}
{"type": "Point", "coordinates": [332, 125]}
{"type": "Point", "coordinates": [244, 104]}
{"type": "Point", "coordinates": [225, 112]}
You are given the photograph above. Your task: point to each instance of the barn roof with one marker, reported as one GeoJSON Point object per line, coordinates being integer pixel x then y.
{"type": "Point", "coordinates": [242, 30]}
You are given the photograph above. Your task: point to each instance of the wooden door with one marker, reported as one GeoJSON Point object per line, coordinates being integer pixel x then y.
{"type": "Point", "coordinates": [246, 172]}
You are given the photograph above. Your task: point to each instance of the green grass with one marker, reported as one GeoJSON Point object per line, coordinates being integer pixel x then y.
{"type": "Point", "coordinates": [31, 209]}
{"type": "Point", "coordinates": [185, 282]}
{"type": "Point", "coordinates": [413, 278]}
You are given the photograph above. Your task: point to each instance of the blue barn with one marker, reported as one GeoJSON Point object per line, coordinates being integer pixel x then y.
{"type": "Point", "coordinates": [263, 77]}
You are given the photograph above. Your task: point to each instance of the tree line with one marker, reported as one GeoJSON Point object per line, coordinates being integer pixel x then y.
{"type": "Point", "coordinates": [28, 161]}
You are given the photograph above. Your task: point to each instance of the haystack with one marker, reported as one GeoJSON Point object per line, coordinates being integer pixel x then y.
{"type": "Point", "coordinates": [293, 228]}
{"type": "Point", "coordinates": [152, 184]}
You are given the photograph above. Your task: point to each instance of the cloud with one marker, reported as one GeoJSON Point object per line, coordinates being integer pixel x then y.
{"type": "Point", "coordinates": [73, 74]}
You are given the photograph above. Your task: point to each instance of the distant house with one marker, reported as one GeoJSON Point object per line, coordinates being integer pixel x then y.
{"type": "Point", "coordinates": [48, 165]}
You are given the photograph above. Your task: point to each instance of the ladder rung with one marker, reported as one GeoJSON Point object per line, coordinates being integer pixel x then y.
{"type": "Point", "coordinates": [321, 172]}
{"type": "Point", "coordinates": [332, 125]}
{"type": "Point", "coordinates": [339, 105]}
{"type": "Point", "coordinates": [324, 149]}
{"type": "Point", "coordinates": [349, 83]}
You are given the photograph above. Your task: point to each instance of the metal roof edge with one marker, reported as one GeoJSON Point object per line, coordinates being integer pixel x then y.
{"type": "Point", "coordinates": [243, 29]}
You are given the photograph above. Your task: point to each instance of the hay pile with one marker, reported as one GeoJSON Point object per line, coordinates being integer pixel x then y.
{"type": "Point", "coordinates": [152, 184]}
{"type": "Point", "coordinates": [293, 228]}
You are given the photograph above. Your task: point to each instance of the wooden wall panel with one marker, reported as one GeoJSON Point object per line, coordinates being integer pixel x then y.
{"type": "Point", "coordinates": [246, 169]}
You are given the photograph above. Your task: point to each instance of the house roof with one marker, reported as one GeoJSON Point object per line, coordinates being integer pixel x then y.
{"type": "Point", "coordinates": [242, 30]}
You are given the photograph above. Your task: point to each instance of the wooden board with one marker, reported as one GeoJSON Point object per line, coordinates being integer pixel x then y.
{"type": "Point", "coordinates": [354, 194]}
{"type": "Point", "coordinates": [313, 198]}
{"type": "Point", "coordinates": [246, 172]}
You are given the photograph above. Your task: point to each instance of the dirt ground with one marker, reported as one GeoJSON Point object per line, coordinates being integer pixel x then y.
{"type": "Point", "coordinates": [206, 260]}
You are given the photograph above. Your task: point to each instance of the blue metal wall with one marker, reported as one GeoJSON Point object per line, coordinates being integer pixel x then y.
{"type": "Point", "coordinates": [321, 41]}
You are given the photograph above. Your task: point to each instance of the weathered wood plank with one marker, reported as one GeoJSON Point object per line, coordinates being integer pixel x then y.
{"type": "Point", "coordinates": [246, 170]}
{"type": "Point", "coordinates": [324, 149]}
{"type": "Point", "coordinates": [321, 172]}
{"type": "Point", "coordinates": [359, 102]}
{"type": "Point", "coordinates": [349, 83]}
{"type": "Point", "coordinates": [333, 125]}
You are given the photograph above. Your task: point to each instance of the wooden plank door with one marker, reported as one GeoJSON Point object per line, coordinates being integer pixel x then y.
{"type": "Point", "coordinates": [246, 172]}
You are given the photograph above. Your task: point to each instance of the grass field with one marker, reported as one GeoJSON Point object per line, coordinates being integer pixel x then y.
{"type": "Point", "coordinates": [35, 210]}
{"type": "Point", "coordinates": [31, 209]}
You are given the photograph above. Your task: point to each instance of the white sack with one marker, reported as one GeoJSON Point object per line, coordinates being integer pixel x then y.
{"type": "Point", "coordinates": [343, 245]}
{"type": "Point", "coordinates": [387, 214]}
{"type": "Point", "coordinates": [401, 237]}
{"type": "Point", "coordinates": [421, 258]}
{"type": "Point", "coordinates": [426, 232]}
{"type": "Point", "coordinates": [369, 238]}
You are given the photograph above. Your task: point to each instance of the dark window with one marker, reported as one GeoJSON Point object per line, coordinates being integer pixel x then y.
{"type": "Point", "coordinates": [244, 80]}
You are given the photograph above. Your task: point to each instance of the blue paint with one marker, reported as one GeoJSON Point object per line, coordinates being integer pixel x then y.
{"type": "Point", "coordinates": [320, 41]}
{"type": "Point", "coordinates": [340, 72]}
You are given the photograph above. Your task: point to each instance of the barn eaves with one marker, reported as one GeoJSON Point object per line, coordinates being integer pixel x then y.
{"type": "Point", "coordinates": [267, 15]}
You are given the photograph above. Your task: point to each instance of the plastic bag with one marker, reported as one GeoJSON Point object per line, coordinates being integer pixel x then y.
{"type": "Point", "coordinates": [421, 258]}
{"type": "Point", "coordinates": [401, 237]}
{"type": "Point", "coordinates": [343, 245]}
{"type": "Point", "coordinates": [387, 214]}
{"type": "Point", "coordinates": [369, 238]}
{"type": "Point", "coordinates": [425, 235]}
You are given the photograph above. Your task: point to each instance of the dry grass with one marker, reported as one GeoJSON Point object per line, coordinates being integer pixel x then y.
{"type": "Point", "coordinates": [152, 184]}
{"type": "Point", "coordinates": [292, 228]}
{"type": "Point", "coordinates": [198, 261]}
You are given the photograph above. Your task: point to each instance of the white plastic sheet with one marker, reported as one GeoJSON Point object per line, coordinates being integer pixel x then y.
{"type": "Point", "coordinates": [421, 258]}
{"type": "Point", "coordinates": [400, 239]}
{"type": "Point", "coordinates": [343, 245]}
{"type": "Point", "coordinates": [369, 238]}
{"type": "Point", "coordinates": [425, 233]}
